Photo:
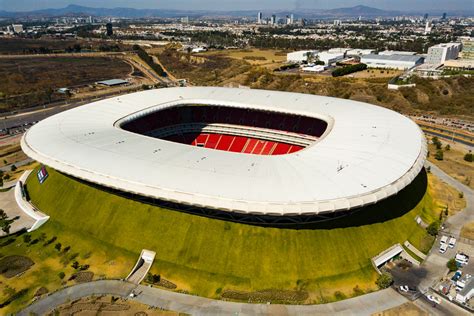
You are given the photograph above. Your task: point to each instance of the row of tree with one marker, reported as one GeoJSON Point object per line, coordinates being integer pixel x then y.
{"type": "Point", "coordinates": [149, 60]}
{"type": "Point", "coordinates": [348, 70]}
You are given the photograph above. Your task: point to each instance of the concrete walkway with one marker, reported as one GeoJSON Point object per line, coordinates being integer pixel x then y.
{"type": "Point", "coordinates": [195, 305]}
{"type": "Point", "coordinates": [10, 206]}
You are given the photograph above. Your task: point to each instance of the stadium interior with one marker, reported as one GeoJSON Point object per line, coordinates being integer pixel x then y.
{"type": "Point", "coordinates": [230, 129]}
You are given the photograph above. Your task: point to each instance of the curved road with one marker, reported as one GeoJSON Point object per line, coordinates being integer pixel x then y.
{"type": "Point", "coordinates": [195, 305]}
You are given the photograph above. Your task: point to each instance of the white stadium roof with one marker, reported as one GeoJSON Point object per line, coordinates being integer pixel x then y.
{"type": "Point", "coordinates": [367, 154]}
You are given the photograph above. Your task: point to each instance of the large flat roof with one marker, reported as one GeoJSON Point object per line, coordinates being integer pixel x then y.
{"type": "Point", "coordinates": [367, 154]}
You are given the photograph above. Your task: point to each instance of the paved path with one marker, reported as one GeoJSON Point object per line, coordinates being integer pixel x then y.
{"type": "Point", "coordinates": [9, 205]}
{"type": "Point", "coordinates": [195, 305]}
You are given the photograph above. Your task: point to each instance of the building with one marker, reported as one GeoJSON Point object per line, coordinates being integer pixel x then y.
{"type": "Point", "coordinates": [112, 82]}
{"type": "Point", "coordinates": [109, 29]}
{"type": "Point", "coordinates": [466, 293]}
{"type": "Point", "coordinates": [259, 18]}
{"type": "Point", "coordinates": [438, 54]}
{"type": "Point", "coordinates": [273, 19]}
{"type": "Point", "coordinates": [206, 149]}
{"type": "Point", "coordinates": [337, 22]}
{"type": "Point", "coordinates": [467, 49]}
{"type": "Point", "coordinates": [444, 16]}
{"type": "Point", "coordinates": [301, 56]}
{"type": "Point", "coordinates": [185, 19]}
{"type": "Point", "coordinates": [330, 58]}
{"type": "Point", "coordinates": [402, 62]}
{"type": "Point", "coordinates": [428, 27]}
{"type": "Point", "coordinates": [395, 52]}
{"type": "Point", "coordinates": [17, 28]}
{"type": "Point", "coordinates": [316, 68]}
{"type": "Point", "coordinates": [359, 52]}
{"type": "Point", "coordinates": [425, 17]}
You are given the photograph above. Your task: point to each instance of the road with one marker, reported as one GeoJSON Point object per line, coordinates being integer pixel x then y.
{"type": "Point", "coordinates": [195, 305]}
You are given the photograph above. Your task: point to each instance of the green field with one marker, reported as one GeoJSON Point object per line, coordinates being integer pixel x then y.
{"type": "Point", "coordinates": [206, 256]}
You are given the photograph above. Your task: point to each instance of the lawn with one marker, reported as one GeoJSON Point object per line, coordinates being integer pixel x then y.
{"type": "Point", "coordinates": [205, 256]}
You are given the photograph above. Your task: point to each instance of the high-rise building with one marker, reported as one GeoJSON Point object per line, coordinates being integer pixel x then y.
{"type": "Point", "coordinates": [444, 16]}
{"type": "Point", "coordinates": [428, 27]}
{"type": "Point", "coordinates": [109, 28]}
{"type": "Point", "coordinates": [90, 21]}
{"type": "Point", "coordinates": [273, 19]}
{"type": "Point", "coordinates": [337, 22]}
{"type": "Point", "coordinates": [185, 19]}
{"type": "Point", "coordinates": [292, 18]}
{"type": "Point", "coordinates": [259, 18]}
{"type": "Point", "coordinates": [425, 17]}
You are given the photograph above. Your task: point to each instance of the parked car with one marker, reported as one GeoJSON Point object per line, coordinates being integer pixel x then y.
{"type": "Point", "coordinates": [443, 248]}
{"type": "Point", "coordinates": [456, 276]}
{"type": "Point", "coordinates": [452, 242]}
{"type": "Point", "coordinates": [434, 299]}
{"type": "Point", "coordinates": [443, 240]}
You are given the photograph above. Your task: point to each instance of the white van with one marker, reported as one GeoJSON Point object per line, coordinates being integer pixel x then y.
{"type": "Point", "coordinates": [461, 258]}
{"type": "Point", "coordinates": [452, 242]}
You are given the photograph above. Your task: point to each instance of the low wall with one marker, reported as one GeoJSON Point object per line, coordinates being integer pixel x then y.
{"type": "Point", "coordinates": [26, 206]}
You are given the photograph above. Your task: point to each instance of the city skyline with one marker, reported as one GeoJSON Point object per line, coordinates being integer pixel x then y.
{"type": "Point", "coordinates": [265, 5]}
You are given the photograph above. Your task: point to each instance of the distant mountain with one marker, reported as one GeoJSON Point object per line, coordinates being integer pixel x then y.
{"type": "Point", "coordinates": [72, 9]}
{"type": "Point", "coordinates": [360, 10]}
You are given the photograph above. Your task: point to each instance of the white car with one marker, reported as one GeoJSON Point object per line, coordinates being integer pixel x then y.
{"type": "Point", "coordinates": [443, 240]}
{"type": "Point", "coordinates": [452, 242]}
{"type": "Point", "coordinates": [443, 248]}
{"type": "Point", "coordinates": [433, 299]}
{"type": "Point", "coordinates": [404, 288]}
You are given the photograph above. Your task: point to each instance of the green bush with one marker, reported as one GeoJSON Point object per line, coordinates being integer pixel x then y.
{"type": "Point", "coordinates": [384, 281]}
{"type": "Point", "coordinates": [439, 155]}
{"type": "Point", "coordinates": [433, 228]}
{"type": "Point", "coordinates": [348, 70]}
{"type": "Point", "coordinates": [451, 264]}
{"type": "Point", "coordinates": [469, 157]}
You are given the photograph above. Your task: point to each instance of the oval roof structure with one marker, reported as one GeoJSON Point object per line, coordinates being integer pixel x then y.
{"type": "Point", "coordinates": [367, 154]}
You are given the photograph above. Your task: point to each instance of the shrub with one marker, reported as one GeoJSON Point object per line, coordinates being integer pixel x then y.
{"type": "Point", "coordinates": [348, 70]}
{"type": "Point", "coordinates": [384, 281]}
{"type": "Point", "coordinates": [439, 155]}
{"type": "Point", "coordinates": [61, 275]}
{"type": "Point", "coordinates": [469, 157]}
{"type": "Point", "coordinates": [13, 168]}
{"type": "Point", "coordinates": [451, 264]}
{"type": "Point", "coordinates": [435, 140]}
{"type": "Point", "coordinates": [27, 238]}
{"type": "Point", "coordinates": [58, 246]}
{"type": "Point", "coordinates": [447, 147]}
{"type": "Point", "coordinates": [433, 228]}
{"type": "Point", "coordinates": [339, 295]}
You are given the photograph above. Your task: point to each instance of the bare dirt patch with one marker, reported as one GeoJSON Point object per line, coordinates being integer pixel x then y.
{"type": "Point", "coordinates": [13, 265]}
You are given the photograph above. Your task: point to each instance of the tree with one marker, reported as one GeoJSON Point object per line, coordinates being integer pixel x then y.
{"type": "Point", "coordinates": [433, 228]}
{"type": "Point", "coordinates": [58, 246]}
{"type": "Point", "coordinates": [384, 281]}
{"type": "Point", "coordinates": [13, 168]}
{"type": "Point", "coordinates": [439, 155]}
{"type": "Point", "coordinates": [447, 147]}
{"type": "Point", "coordinates": [27, 238]}
{"type": "Point", "coordinates": [469, 157]}
{"type": "Point", "coordinates": [61, 275]}
{"type": "Point", "coordinates": [451, 264]}
{"type": "Point", "coordinates": [436, 142]}
{"type": "Point", "coordinates": [5, 222]}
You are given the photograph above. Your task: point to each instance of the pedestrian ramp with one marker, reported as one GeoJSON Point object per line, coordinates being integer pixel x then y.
{"type": "Point", "coordinates": [142, 266]}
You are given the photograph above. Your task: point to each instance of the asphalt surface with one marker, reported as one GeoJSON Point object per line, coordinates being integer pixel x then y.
{"type": "Point", "coordinates": [195, 305]}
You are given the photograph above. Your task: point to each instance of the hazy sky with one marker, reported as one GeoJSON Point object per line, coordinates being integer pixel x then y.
{"type": "Point", "coordinates": [403, 5]}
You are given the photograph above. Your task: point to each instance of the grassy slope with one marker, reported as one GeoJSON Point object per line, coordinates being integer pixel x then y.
{"type": "Point", "coordinates": [202, 255]}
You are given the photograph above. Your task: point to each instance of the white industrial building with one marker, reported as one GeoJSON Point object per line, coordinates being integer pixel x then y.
{"type": "Point", "coordinates": [330, 58]}
{"type": "Point", "coordinates": [300, 56]}
{"type": "Point", "coordinates": [438, 54]}
{"type": "Point", "coordinates": [401, 62]}
{"type": "Point", "coordinates": [466, 293]}
{"type": "Point", "coordinates": [17, 28]}
{"type": "Point", "coordinates": [359, 52]}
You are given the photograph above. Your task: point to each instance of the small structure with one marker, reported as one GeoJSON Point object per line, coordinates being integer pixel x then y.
{"type": "Point", "coordinates": [386, 255]}
{"type": "Point", "coordinates": [316, 68]}
{"type": "Point", "coordinates": [112, 82]}
{"type": "Point", "coordinates": [64, 90]}
{"type": "Point", "coordinates": [142, 266]}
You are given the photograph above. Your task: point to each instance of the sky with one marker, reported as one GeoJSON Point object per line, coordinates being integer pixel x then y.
{"type": "Point", "coordinates": [401, 5]}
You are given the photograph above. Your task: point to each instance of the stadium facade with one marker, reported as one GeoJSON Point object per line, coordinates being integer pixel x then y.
{"type": "Point", "coordinates": [246, 155]}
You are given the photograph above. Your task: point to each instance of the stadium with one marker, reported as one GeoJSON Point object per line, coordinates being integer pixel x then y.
{"type": "Point", "coordinates": [232, 187]}
{"type": "Point", "coordinates": [250, 156]}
